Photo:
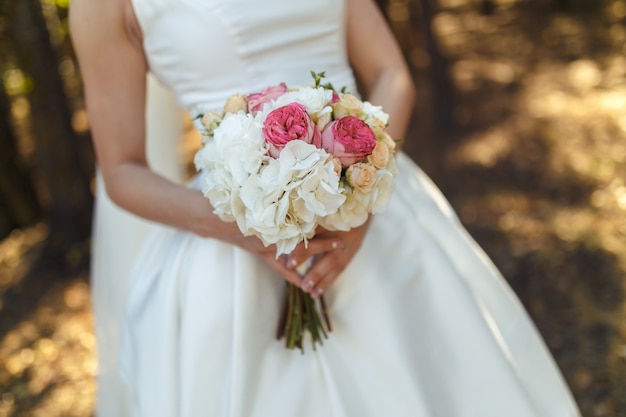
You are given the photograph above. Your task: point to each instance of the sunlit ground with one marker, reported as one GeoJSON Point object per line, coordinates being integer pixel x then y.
{"type": "Point", "coordinates": [537, 173]}
{"type": "Point", "coordinates": [536, 169]}
{"type": "Point", "coordinates": [47, 357]}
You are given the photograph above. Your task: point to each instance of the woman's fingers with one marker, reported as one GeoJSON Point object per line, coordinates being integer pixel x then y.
{"type": "Point", "coordinates": [325, 271]}
{"type": "Point", "coordinates": [330, 265]}
{"type": "Point", "coordinates": [315, 246]}
{"type": "Point", "coordinates": [330, 253]}
{"type": "Point", "coordinates": [279, 266]}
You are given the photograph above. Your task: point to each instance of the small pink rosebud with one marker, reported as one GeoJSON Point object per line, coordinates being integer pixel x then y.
{"type": "Point", "coordinates": [257, 100]}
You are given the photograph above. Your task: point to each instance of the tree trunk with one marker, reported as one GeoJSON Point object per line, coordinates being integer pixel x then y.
{"type": "Point", "coordinates": [58, 158]}
{"type": "Point", "coordinates": [18, 202]}
{"type": "Point", "coordinates": [487, 7]}
{"type": "Point", "coordinates": [443, 90]}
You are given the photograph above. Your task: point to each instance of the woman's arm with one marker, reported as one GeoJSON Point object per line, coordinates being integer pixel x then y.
{"type": "Point", "coordinates": [380, 67]}
{"type": "Point", "coordinates": [108, 45]}
{"type": "Point", "coordinates": [114, 73]}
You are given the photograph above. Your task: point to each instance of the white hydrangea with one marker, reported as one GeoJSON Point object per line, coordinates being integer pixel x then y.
{"type": "Point", "coordinates": [235, 152]}
{"type": "Point", "coordinates": [352, 213]}
{"type": "Point", "coordinates": [283, 203]}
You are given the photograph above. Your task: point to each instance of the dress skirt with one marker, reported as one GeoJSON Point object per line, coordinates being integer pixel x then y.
{"type": "Point", "coordinates": [423, 325]}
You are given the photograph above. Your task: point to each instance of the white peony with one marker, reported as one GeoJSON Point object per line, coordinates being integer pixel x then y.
{"type": "Point", "coordinates": [315, 100]}
{"type": "Point", "coordinates": [375, 117]}
{"type": "Point", "coordinates": [375, 112]}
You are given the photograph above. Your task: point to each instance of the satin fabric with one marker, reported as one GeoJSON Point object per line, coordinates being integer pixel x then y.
{"type": "Point", "coordinates": [117, 238]}
{"type": "Point", "coordinates": [424, 325]}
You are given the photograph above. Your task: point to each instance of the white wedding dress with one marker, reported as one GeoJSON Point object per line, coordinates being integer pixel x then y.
{"type": "Point", "coordinates": [424, 325]}
{"type": "Point", "coordinates": [117, 239]}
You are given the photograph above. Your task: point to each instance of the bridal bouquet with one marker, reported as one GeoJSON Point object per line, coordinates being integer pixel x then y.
{"type": "Point", "coordinates": [285, 161]}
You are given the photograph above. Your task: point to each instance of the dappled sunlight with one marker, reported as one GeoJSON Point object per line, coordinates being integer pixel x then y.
{"type": "Point", "coordinates": [536, 168]}
{"type": "Point", "coordinates": [48, 347]}
{"type": "Point", "coordinates": [485, 148]}
{"type": "Point", "coordinates": [13, 252]}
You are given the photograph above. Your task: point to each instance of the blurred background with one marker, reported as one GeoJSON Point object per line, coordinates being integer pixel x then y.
{"type": "Point", "coordinates": [520, 120]}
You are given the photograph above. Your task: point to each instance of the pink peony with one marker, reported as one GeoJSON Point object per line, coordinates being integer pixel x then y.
{"type": "Point", "coordinates": [287, 123]}
{"type": "Point", "coordinates": [257, 100]}
{"type": "Point", "coordinates": [349, 139]}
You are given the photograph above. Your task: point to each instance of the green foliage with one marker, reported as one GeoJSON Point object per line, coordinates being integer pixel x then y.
{"type": "Point", "coordinates": [318, 76]}
{"type": "Point", "coordinates": [62, 4]}
{"type": "Point", "coordinates": [15, 81]}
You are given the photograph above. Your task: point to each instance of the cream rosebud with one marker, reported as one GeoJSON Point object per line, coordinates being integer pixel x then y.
{"type": "Point", "coordinates": [380, 155]}
{"type": "Point", "coordinates": [336, 164]}
{"type": "Point", "coordinates": [322, 121]}
{"type": "Point", "coordinates": [236, 102]}
{"type": "Point", "coordinates": [377, 125]}
{"type": "Point", "coordinates": [348, 105]}
{"type": "Point", "coordinates": [361, 176]}
{"type": "Point", "coordinates": [211, 120]}
{"type": "Point", "coordinates": [387, 140]}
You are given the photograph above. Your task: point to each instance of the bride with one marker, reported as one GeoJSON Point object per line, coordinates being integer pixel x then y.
{"type": "Point", "coordinates": [424, 324]}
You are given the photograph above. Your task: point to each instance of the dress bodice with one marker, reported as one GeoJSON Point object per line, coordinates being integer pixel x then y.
{"type": "Point", "coordinates": [206, 50]}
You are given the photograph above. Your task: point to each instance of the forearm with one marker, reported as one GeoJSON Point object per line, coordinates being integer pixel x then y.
{"type": "Point", "coordinates": [379, 64]}
{"type": "Point", "coordinates": [135, 188]}
{"type": "Point", "coordinates": [393, 89]}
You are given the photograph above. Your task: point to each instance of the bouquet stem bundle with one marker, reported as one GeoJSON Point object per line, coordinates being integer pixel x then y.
{"type": "Point", "coordinates": [300, 312]}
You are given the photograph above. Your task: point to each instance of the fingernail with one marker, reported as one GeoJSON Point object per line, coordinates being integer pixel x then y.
{"type": "Point", "coordinates": [292, 263]}
{"type": "Point", "coordinates": [307, 285]}
{"type": "Point", "coordinates": [317, 293]}
{"type": "Point", "coordinates": [337, 244]}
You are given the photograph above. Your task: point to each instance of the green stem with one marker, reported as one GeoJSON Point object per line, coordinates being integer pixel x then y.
{"type": "Point", "coordinates": [325, 313]}
{"type": "Point", "coordinates": [284, 313]}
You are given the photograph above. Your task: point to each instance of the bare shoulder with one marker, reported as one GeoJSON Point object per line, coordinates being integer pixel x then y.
{"type": "Point", "coordinates": [365, 14]}
{"type": "Point", "coordinates": [94, 15]}
{"type": "Point", "coordinates": [113, 68]}
{"type": "Point", "coordinates": [91, 20]}
{"type": "Point", "coordinates": [371, 45]}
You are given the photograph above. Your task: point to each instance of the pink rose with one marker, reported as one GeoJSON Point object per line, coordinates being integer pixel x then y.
{"type": "Point", "coordinates": [287, 123]}
{"type": "Point", "coordinates": [257, 100]}
{"type": "Point", "coordinates": [349, 139]}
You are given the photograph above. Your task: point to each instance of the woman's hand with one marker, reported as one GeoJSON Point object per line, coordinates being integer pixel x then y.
{"type": "Point", "coordinates": [322, 244]}
{"type": "Point", "coordinates": [331, 259]}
